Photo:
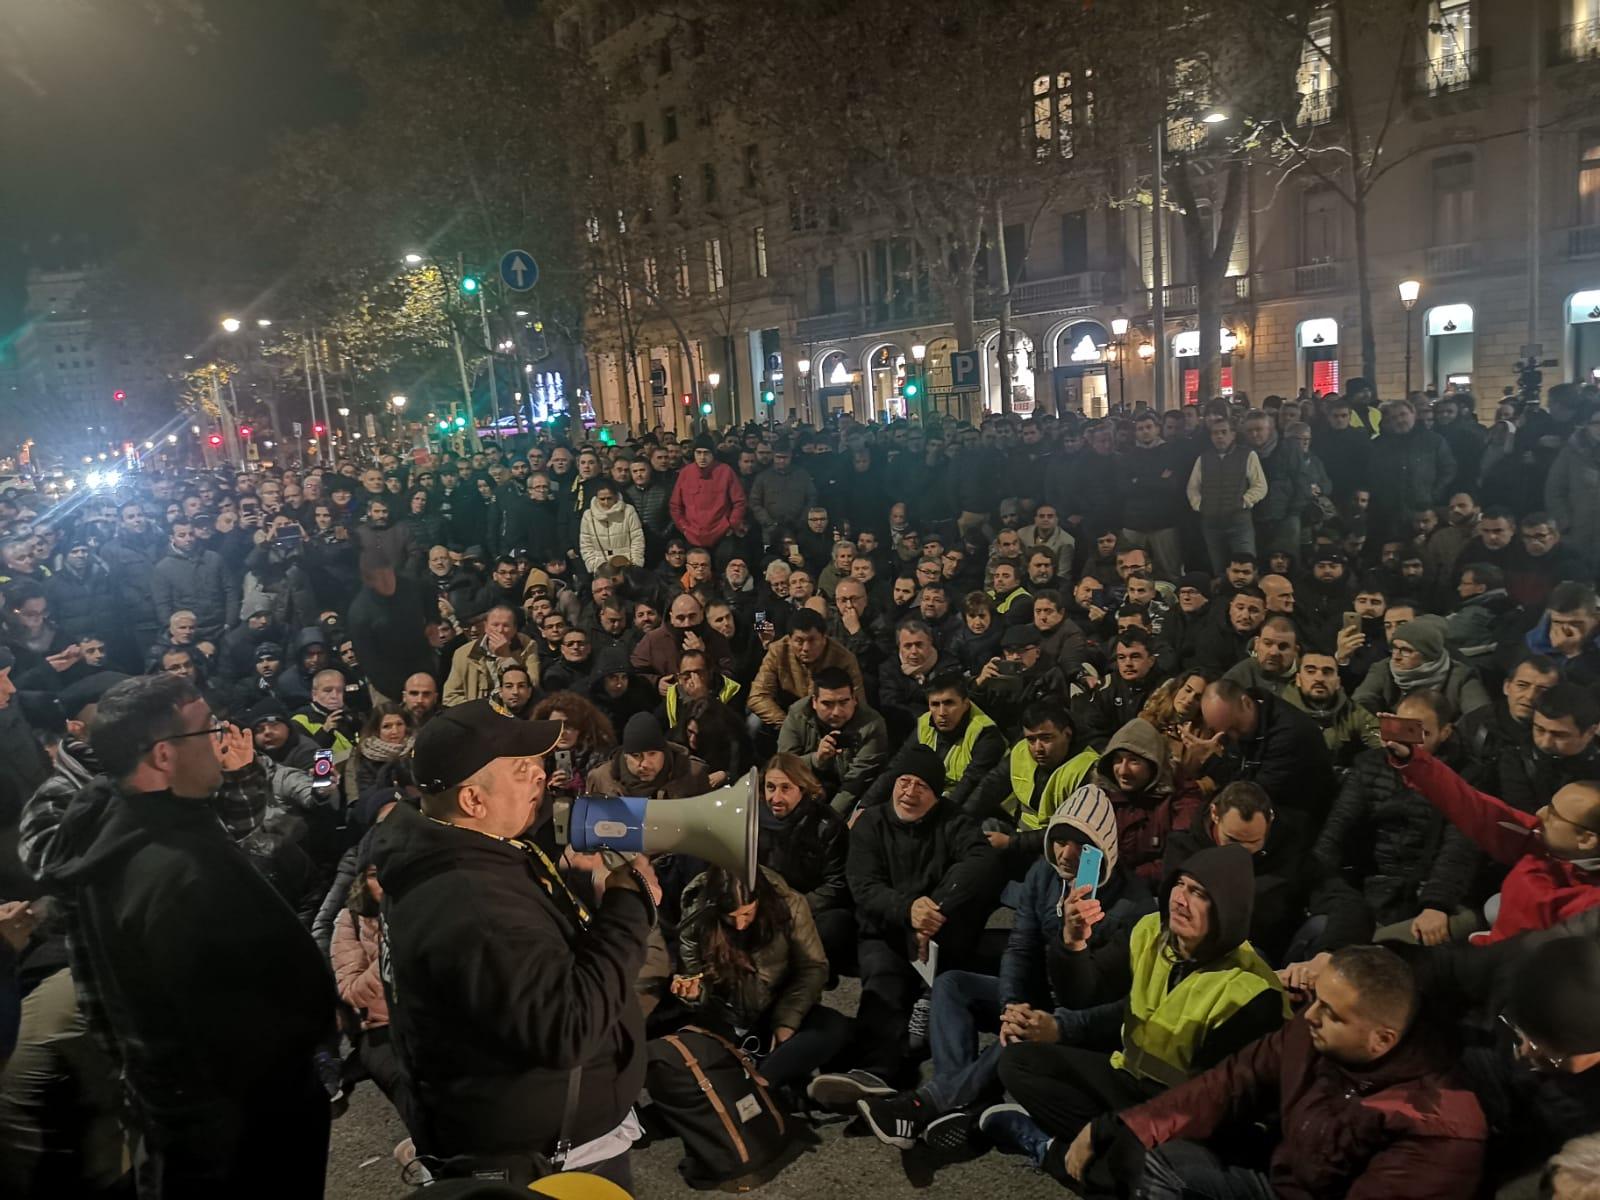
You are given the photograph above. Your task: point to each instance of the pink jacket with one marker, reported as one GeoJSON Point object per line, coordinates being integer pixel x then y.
{"type": "Point", "coordinates": [706, 505]}
{"type": "Point", "coordinates": [355, 967]}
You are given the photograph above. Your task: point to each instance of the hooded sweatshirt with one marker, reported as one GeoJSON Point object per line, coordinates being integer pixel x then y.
{"type": "Point", "coordinates": [1145, 820]}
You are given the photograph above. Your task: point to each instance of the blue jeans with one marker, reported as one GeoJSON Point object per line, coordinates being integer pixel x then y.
{"type": "Point", "coordinates": [1188, 1171]}
{"type": "Point", "coordinates": [822, 1034]}
{"type": "Point", "coordinates": [964, 1005]}
{"type": "Point", "coordinates": [1225, 535]}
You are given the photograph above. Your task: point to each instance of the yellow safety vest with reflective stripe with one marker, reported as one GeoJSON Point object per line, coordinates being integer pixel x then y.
{"type": "Point", "coordinates": [958, 757]}
{"type": "Point", "coordinates": [1161, 1030]}
{"type": "Point", "coordinates": [730, 689]}
{"type": "Point", "coordinates": [1004, 606]}
{"type": "Point", "coordinates": [1063, 781]}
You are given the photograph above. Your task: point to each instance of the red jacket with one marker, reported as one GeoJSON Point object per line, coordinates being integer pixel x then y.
{"type": "Point", "coordinates": [1399, 1127]}
{"type": "Point", "coordinates": [1540, 890]}
{"type": "Point", "coordinates": [706, 505]}
{"type": "Point", "coordinates": [1143, 829]}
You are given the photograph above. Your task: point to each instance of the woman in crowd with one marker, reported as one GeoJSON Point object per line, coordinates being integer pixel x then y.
{"type": "Point", "coordinates": [1175, 705]}
{"type": "Point", "coordinates": [384, 747]}
{"type": "Point", "coordinates": [610, 531]}
{"type": "Point", "coordinates": [355, 954]}
{"type": "Point", "coordinates": [587, 739]}
{"type": "Point", "coordinates": [753, 964]}
{"type": "Point", "coordinates": [710, 730]}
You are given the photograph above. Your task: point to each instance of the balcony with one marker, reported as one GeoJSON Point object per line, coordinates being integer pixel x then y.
{"type": "Point", "coordinates": [1064, 291]}
{"type": "Point", "coordinates": [1575, 43]}
{"type": "Point", "coordinates": [1583, 241]}
{"type": "Point", "coordinates": [1448, 74]}
{"type": "Point", "coordinates": [1457, 258]}
{"type": "Point", "coordinates": [1317, 277]}
{"type": "Point", "coordinates": [901, 314]}
{"type": "Point", "coordinates": [1317, 107]}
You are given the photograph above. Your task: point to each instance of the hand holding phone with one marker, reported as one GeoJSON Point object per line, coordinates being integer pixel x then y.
{"type": "Point", "coordinates": [1091, 860]}
{"type": "Point", "coordinates": [1406, 730]}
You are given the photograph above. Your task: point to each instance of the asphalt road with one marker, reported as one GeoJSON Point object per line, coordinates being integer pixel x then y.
{"type": "Point", "coordinates": [848, 1161]}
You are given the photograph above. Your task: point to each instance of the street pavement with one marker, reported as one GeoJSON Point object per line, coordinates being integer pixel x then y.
{"type": "Point", "coordinates": [848, 1161]}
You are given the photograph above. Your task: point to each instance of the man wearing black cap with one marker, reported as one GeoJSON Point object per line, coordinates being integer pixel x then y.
{"type": "Point", "coordinates": [1008, 684]}
{"type": "Point", "coordinates": [511, 1000]}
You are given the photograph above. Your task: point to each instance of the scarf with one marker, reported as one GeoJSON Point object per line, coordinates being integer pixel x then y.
{"type": "Point", "coordinates": [375, 749]}
{"type": "Point", "coordinates": [1428, 675]}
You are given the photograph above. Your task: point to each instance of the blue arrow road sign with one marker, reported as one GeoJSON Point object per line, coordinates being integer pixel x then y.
{"type": "Point", "coordinates": [519, 270]}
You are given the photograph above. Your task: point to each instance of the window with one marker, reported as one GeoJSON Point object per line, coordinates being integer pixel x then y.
{"type": "Point", "coordinates": [708, 182]}
{"type": "Point", "coordinates": [1016, 253]}
{"type": "Point", "coordinates": [1052, 115]}
{"type": "Point", "coordinates": [648, 272]}
{"type": "Point", "coordinates": [592, 228]}
{"type": "Point", "coordinates": [1453, 199]}
{"type": "Point", "coordinates": [641, 141]}
{"type": "Point", "coordinates": [664, 57]}
{"type": "Point", "coordinates": [1314, 80]}
{"type": "Point", "coordinates": [682, 272]}
{"type": "Point", "coordinates": [1449, 45]}
{"type": "Point", "coordinates": [758, 250]}
{"type": "Point", "coordinates": [1321, 229]}
{"type": "Point", "coordinates": [752, 167]}
{"type": "Point", "coordinates": [675, 193]}
{"type": "Point", "coordinates": [669, 126]}
{"type": "Point", "coordinates": [715, 280]}
{"type": "Point", "coordinates": [697, 38]}
{"type": "Point", "coordinates": [827, 298]}
{"type": "Point", "coordinates": [1075, 242]}
{"type": "Point", "coordinates": [1589, 179]}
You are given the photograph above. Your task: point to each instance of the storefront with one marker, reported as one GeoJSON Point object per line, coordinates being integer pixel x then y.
{"type": "Point", "coordinates": [835, 385]}
{"type": "Point", "coordinates": [1318, 346]}
{"type": "Point", "coordinates": [883, 369]}
{"type": "Point", "coordinates": [1447, 349]}
{"type": "Point", "coordinates": [1022, 380]}
{"type": "Point", "coordinates": [1080, 369]}
{"type": "Point", "coordinates": [1583, 336]}
{"type": "Point", "coordinates": [1186, 354]}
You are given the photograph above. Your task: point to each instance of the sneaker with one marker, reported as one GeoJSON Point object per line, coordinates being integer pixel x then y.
{"type": "Point", "coordinates": [896, 1120]}
{"type": "Point", "coordinates": [841, 1090]}
{"type": "Point", "coordinates": [917, 1026]}
{"type": "Point", "coordinates": [1011, 1129]}
{"type": "Point", "coordinates": [952, 1131]}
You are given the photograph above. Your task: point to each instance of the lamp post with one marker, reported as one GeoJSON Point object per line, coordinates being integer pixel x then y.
{"type": "Point", "coordinates": [919, 354]}
{"type": "Point", "coordinates": [713, 378]}
{"type": "Point", "coordinates": [804, 367]}
{"type": "Point", "coordinates": [1410, 289]}
{"type": "Point", "coordinates": [1119, 335]}
{"type": "Point", "coordinates": [399, 405]}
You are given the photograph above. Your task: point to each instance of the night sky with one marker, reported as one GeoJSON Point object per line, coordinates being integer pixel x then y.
{"type": "Point", "coordinates": [115, 106]}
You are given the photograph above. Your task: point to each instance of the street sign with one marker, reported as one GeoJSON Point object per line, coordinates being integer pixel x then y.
{"type": "Point", "coordinates": [518, 270]}
{"type": "Point", "coordinates": [964, 371]}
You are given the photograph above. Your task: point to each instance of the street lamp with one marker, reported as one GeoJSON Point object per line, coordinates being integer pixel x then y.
{"type": "Point", "coordinates": [399, 402]}
{"type": "Point", "coordinates": [1119, 335]}
{"type": "Point", "coordinates": [713, 378]}
{"type": "Point", "coordinates": [1410, 289]}
{"type": "Point", "coordinates": [263, 323]}
{"type": "Point", "coordinates": [919, 353]}
{"type": "Point", "coordinates": [413, 259]}
{"type": "Point", "coordinates": [231, 324]}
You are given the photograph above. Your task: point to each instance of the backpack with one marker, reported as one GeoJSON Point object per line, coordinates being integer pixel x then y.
{"type": "Point", "coordinates": [709, 1093]}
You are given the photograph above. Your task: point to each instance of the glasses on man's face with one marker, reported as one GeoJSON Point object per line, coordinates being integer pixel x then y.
{"type": "Point", "coordinates": [1535, 1055]}
{"type": "Point", "coordinates": [215, 731]}
{"type": "Point", "coordinates": [575, 644]}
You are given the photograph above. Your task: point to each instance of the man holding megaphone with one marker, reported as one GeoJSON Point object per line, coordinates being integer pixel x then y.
{"type": "Point", "coordinates": [511, 1001]}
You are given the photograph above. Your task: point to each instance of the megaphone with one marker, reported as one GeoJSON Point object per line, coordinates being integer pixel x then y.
{"type": "Point", "coordinates": [720, 827]}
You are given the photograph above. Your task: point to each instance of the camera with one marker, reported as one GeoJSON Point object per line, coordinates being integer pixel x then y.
{"type": "Point", "coordinates": [845, 741]}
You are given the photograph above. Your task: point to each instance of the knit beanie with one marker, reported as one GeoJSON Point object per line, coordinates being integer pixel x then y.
{"type": "Point", "coordinates": [926, 765]}
{"type": "Point", "coordinates": [1198, 580]}
{"type": "Point", "coordinates": [1088, 811]}
{"type": "Point", "coordinates": [1424, 634]}
{"type": "Point", "coordinates": [642, 734]}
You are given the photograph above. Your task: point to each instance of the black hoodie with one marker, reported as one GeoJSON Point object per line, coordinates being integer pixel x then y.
{"type": "Point", "coordinates": [496, 993]}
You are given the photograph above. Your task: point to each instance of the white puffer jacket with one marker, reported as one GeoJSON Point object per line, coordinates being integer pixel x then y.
{"type": "Point", "coordinates": [604, 534]}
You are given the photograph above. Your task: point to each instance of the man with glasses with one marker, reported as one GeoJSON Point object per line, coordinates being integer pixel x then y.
{"type": "Point", "coordinates": [1540, 561]}
{"type": "Point", "coordinates": [145, 877]}
{"type": "Point", "coordinates": [575, 671]}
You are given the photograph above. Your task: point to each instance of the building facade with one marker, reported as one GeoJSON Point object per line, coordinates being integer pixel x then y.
{"type": "Point", "coordinates": [1486, 193]}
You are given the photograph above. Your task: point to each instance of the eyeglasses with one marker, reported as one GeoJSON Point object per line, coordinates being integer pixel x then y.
{"type": "Point", "coordinates": [579, 644]}
{"type": "Point", "coordinates": [1535, 1055]}
{"type": "Point", "coordinates": [215, 731]}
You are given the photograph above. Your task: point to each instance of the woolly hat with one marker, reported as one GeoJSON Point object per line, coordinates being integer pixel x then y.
{"type": "Point", "coordinates": [705, 441]}
{"type": "Point", "coordinates": [1198, 580]}
{"type": "Point", "coordinates": [1424, 634]}
{"type": "Point", "coordinates": [926, 765]}
{"type": "Point", "coordinates": [1087, 811]}
{"type": "Point", "coordinates": [642, 733]}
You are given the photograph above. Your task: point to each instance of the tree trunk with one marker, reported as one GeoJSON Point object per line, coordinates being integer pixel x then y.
{"type": "Point", "coordinates": [1003, 343]}
{"type": "Point", "coordinates": [1369, 339]}
{"type": "Point", "coordinates": [1209, 252]}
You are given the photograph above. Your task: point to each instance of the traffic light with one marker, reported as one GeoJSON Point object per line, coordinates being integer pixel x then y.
{"type": "Point", "coordinates": [768, 396]}
{"type": "Point", "coordinates": [911, 389]}
{"type": "Point", "coordinates": [215, 439]}
{"type": "Point", "coordinates": [705, 408]}
{"type": "Point", "coordinates": [443, 425]}
{"type": "Point", "coordinates": [461, 422]}
{"type": "Point", "coordinates": [119, 395]}
{"type": "Point", "coordinates": [470, 285]}
{"type": "Point", "coordinates": [319, 429]}
{"type": "Point", "coordinates": [244, 431]}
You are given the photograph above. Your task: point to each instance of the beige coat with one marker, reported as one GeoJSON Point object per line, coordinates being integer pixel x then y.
{"type": "Point", "coordinates": [471, 677]}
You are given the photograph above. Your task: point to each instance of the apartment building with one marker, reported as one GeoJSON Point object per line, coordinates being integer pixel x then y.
{"type": "Point", "coordinates": [1497, 224]}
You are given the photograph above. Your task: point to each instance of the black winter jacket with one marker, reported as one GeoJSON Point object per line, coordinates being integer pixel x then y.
{"type": "Point", "coordinates": [943, 856]}
{"type": "Point", "coordinates": [809, 848]}
{"type": "Point", "coordinates": [496, 993]}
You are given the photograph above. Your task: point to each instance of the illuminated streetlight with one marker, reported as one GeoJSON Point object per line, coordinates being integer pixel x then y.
{"type": "Point", "coordinates": [344, 412]}
{"type": "Point", "coordinates": [263, 323]}
{"type": "Point", "coordinates": [1119, 327]}
{"type": "Point", "coordinates": [398, 401]}
{"type": "Point", "coordinates": [231, 324]}
{"type": "Point", "coordinates": [1215, 117]}
{"type": "Point", "coordinates": [714, 378]}
{"type": "Point", "coordinates": [919, 351]}
{"type": "Point", "coordinates": [1147, 351]}
{"type": "Point", "coordinates": [805, 367]}
{"type": "Point", "coordinates": [1410, 289]}
{"type": "Point", "coordinates": [413, 259]}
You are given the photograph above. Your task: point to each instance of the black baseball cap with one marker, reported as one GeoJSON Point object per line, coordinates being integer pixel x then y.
{"type": "Point", "coordinates": [462, 740]}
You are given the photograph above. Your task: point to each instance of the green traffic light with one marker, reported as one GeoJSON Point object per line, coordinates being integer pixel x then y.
{"type": "Point", "coordinates": [768, 396]}
{"type": "Point", "coordinates": [910, 390]}
{"type": "Point", "coordinates": [469, 284]}
{"type": "Point", "coordinates": [444, 424]}
{"type": "Point", "coordinates": [706, 408]}
{"type": "Point", "coordinates": [461, 422]}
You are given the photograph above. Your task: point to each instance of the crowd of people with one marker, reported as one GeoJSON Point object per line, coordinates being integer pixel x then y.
{"type": "Point", "coordinates": [1207, 801]}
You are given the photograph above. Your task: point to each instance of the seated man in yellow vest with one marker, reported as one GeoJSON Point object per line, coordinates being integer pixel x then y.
{"type": "Point", "coordinates": [1006, 574]}
{"type": "Point", "coordinates": [697, 678]}
{"type": "Point", "coordinates": [1194, 989]}
{"type": "Point", "coordinates": [959, 732]}
{"type": "Point", "coordinates": [1016, 798]}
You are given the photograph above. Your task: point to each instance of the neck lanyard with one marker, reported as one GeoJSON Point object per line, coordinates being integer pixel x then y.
{"type": "Point", "coordinates": [550, 878]}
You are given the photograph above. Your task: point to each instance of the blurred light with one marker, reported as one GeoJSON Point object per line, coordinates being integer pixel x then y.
{"type": "Point", "coordinates": [119, 395]}
{"type": "Point", "coordinates": [344, 412]}
{"type": "Point", "coordinates": [522, 312]}
{"type": "Point", "coordinates": [1147, 351]}
{"type": "Point", "coordinates": [149, 445]}
{"type": "Point", "coordinates": [714, 378]}
{"type": "Point", "coordinates": [263, 323]}
{"type": "Point", "coordinates": [1216, 117]}
{"type": "Point", "coordinates": [919, 351]}
{"type": "Point", "coordinates": [398, 401]}
{"type": "Point", "coordinates": [231, 324]}
{"type": "Point", "coordinates": [215, 439]}
{"type": "Point", "coordinates": [469, 284]}
{"type": "Point", "coordinates": [172, 439]}
{"type": "Point", "coordinates": [244, 431]}
{"type": "Point", "coordinates": [413, 259]}
{"type": "Point", "coordinates": [528, 370]}
{"type": "Point", "coordinates": [805, 367]}
{"type": "Point", "coordinates": [268, 445]}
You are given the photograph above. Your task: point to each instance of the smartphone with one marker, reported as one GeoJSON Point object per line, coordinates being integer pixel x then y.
{"type": "Point", "coordinates": [563, 761]}
{"type": "Point", "coordinates": [322, 769]}
{"type": "Point", "coordinates": [1407, 730]}
{"type": "Point", "coordinates": [761, 616]}
{"type": "Point", "coordinates": [1090, 861]}
{"type": "Point", "coordinates": [1350, 620]}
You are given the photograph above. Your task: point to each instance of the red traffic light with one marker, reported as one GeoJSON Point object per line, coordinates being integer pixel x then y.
{"type": "Point", "coordinates": [215, 439]}
{"type": "Point", "coordinates": [244, 431]}
{"type": "Point", "coordinates": [318, 429]}
{"type": "Point", "coordinates": [119, 395]}
{"type": "Point", "coordinates": [687, 399]}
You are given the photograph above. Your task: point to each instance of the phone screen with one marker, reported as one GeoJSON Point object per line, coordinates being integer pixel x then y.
{"type": "Point", "coordinates": [322, 767]}
{"type": "Point", "coordinates": [761, 616]}
{"type": "Point", "coordinates": [1090, 860]}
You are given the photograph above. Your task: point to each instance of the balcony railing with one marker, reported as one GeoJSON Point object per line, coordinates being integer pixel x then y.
{"type": "Point", "coordinates": [1316, 277]}
{"type": "Point", "coordinates": [899, 314]}
{"type": "Point", "coordinates": [1064, 291]}
{"type": "Point", "coordinates": [1583, 241]}
{"type": "Point", "coordinates": [1576, 43]}
{"type": "Point", "coordinates": [1453, 259]}
{"type": "Point", "coordinates": [1317, 107]}
{"type": "Point", "coordinates": [1449, 73]}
